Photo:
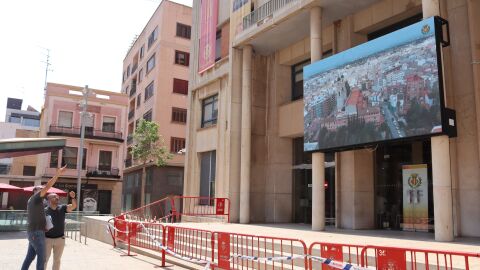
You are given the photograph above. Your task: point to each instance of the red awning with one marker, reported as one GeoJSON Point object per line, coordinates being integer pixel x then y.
{"type": "Point", "coordinates": [7, 188]}
{"type": "Point", "coordinates": [57, 191]}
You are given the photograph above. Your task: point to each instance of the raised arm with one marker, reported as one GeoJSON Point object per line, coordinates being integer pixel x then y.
{"type": "Point", "coordinates": [51, 182]}
{"type": "Point", "coordinates": [72, 206]}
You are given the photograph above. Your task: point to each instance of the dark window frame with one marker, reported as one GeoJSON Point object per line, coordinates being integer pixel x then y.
{"type": "Point", "coordinates": [205, 102]}
{"type": "Point", "coordinates": [179, 115]}
{"type": "Point", "coordinates": [148, 61]}
{"type": "Point", "coordinates": [139, 100]}
{"type": "Point", "coordinates": [177, 144]}
{"type": "Point", "coordinates": [218, 45]}
{"type": "Point", "coordinates": [184, 31]}
{"type": "Point", "coordinates": [152, 38]}
{"type": "Point", "coordinates": [56, 155]}
{"type": "Point", "coordinates": [149, 91]}
{"type": "Point", "coordinates": [27, 170]}
{"type": "Point", "coordinates": [101, 166]}
{"type": "Point", "coordinates": [148, 115]}
{"type": "Point", "coordinates": [186, 56]}
{"type": "Point", "coordinates": [297, 93]}
{"type": "Point", "coordinates": [180, 86]}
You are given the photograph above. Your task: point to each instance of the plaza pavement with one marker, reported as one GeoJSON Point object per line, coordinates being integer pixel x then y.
{"type": "Point", "coordinates": [93, 256]}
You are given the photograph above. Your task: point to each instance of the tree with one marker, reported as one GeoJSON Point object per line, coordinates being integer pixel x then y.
{"type": "Point", "coordinates": [148, 147]}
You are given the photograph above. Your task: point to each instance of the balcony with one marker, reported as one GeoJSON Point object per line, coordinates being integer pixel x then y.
{"type": "Point", "coordinates": [131, 114]}
{"type": "Point", "coordinates": [129, 139]}
{"type": "Point", "coordinates": [133, 90]}
{"type": "Point", "coordinates": [134, 68]}
{"type": "Point", "coordinates": [90, 133]}
{"type": "Point", "coordinates": [264, 11]}
{"type": "Point", "coordinates": [103, 172]}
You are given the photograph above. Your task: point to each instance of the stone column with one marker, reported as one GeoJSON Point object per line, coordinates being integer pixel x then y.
{"type": "Point", "coordinates": [318, 159]}
{"type": "Point", "coordinates": [442, 189]}
{"type": "Point", "coordinates": [318, 191]}
{"type": "Point", "coordinates": [441, 172]}
{"type": "Point", "coordinates": [246, 133]}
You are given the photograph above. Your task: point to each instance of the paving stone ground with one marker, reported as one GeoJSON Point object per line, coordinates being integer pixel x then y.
{"type": "Point", "coordinates": [93, 256]}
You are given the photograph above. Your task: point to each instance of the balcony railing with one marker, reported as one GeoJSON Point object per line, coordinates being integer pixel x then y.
{"type": "Point", "coordinates": [128, 162]}
{"type": "Point", "coordinates": [264, 11]}
{"type": "Point", "coordinates": [103, 172]}
{"type": "Point", "coordinates": [134, 68]}
{"type": "Point", "coordinates": [131, 114]}
{"type": "Point", "coordinates": [90, 133]}
{"type": "Point", "coordinates": [129, 139]}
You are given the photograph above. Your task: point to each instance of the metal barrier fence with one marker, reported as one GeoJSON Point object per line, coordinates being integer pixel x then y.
{"type": "Point", "coordinates": [171, 209]}
{"type": "Point", "coordinates": [351, 254]}
{"type": "Point", "coordinates": [410, 258]}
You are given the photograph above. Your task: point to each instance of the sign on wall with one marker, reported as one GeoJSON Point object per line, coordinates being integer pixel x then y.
{"type": "Point", "coordinates": [208, 31]}
{"type": "Point", "coordinates": [415, 197]}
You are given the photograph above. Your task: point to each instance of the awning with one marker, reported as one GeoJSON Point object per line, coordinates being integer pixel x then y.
{"type": "Point", "coordinates": [29, 146]}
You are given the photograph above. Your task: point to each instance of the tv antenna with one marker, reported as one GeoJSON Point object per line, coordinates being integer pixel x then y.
{"type": "Point", "coordinates": [47, 69]}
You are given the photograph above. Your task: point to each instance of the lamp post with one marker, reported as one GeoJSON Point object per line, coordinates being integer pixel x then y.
{"type": "Point", "coordinates": [83, 104]}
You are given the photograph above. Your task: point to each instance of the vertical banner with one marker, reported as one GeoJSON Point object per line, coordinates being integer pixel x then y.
{"type": "Point", "coordinates": [208, 31]}
{"type": "Point", "coordinates": [220, 206]}
{"type": "Point", "coordinates": [415, 197]}
{"type": "Point", "coordinates": [223, 250]}
{"type": "Point", "coordinates": [391, 259]}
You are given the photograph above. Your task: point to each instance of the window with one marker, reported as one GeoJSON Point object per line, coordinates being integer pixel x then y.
{"type": "Point", "coordinates": [108, 124]}
{"type": "Point", "coordinates": [140, 75]}
{"type": "Point", "coordinates": [105, 160]}
{"type": "Point", "coordinates": [151, 63]}
{"type": "Point", "coordinates": [183, 30]}
{"type": "Point", "coordinates": [142, 51]}
{"type": "Point", "coordinates": [182, 58]}
{"type": "Point", "coordinates": [218, 45]}
{"type": "Point", "coordinates": [149, 91]}
{"type": "Point", "coordinates": [180, 86]}
{"type": "Point", "coordinates": [15, 119]}
{"type": "Point", "coordinates": [147, 116]}
{"type": "Point", "coordinates": [176, 144]}
{"type": "Point", "coordinates": [124, 77]}
{"type": "Point", "coordinates": [65, 119]}
{"type": "Point", "coordinates": [139, 100]}
{"type": "Point", "coordinates": [89, 124]}
{"type": "Point", "coordinates": [297, 79]}
{"type": "Point", "coordinates": [207, 175]}
{"type": "Point", "coordinates": [394, 27]}
{"type": "Point", "coordinates": [69, 157]}
{"type": "Point", "coordinates": [179, 115]}
{"type": "Point", "coordinates": [128, 71]}
{"type": "Point", "coordinates": [152, 37]}
{"type": "Point", "coordinates": [30, 122]}
{"type": "Point", "coordinates": [29, 170]}
{"type": "Point", "coordinates": [54, 159]}
{"type": "Point", "coordinates": [149, 176]}
{"type": "Point", "coordinates": [209, 111]}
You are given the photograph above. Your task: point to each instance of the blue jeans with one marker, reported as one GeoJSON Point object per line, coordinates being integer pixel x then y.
{"type": "Point", "coordinates": [36, 247]}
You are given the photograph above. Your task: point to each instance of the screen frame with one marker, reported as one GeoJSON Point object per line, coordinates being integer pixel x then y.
{"type": "Point", "coordinates": [439, 43]}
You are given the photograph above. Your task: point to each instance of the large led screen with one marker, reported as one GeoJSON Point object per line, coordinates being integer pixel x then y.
{"type": "Point", "coordinates": [385, 89]}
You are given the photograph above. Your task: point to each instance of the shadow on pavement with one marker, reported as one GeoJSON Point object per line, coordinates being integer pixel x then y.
{"type": "Point", "coordinates": [13, 235]}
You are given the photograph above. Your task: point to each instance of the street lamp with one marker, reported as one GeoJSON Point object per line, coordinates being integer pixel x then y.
{"type": "Point", "coordinates": [83, 104]}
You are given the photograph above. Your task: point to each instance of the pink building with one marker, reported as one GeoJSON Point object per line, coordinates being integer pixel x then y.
{"type": "Point", "coordinates": [155, 77]}
{"type": "Point", "coordinates": [105, 132]}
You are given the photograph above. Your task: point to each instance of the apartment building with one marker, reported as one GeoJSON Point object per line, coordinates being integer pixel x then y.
{"type": "Point", "coordinates": [18, 171]}
{"type": "Point", "coordinates": [155, 78]}
{"type": "Point", "coordinates": [103, 153]}
{"type": "Point", "coordinates": [246, 117]}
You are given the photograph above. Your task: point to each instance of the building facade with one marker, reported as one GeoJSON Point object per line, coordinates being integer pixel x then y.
{"type": "Point", "coordinates": [103, 154]}
{"type": "Point", "coordinates": [18, 171]}
{"type": "Point", "coordinates": [248, 145]}
{"type": "Point", "coordinates": [155, 78]}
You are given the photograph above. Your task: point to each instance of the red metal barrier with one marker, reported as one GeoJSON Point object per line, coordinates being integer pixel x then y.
{"type": "Point", "coordinates": [243, 251]}
{"type": "Point", "coordinates": [339, 252]}
{"type": "Point", "coordinates": [409, 258]}
{"type": "Point", "coordinates": [194, 244]}
{"type": "Point", "coordinates": [158, 211]}
{"type": "Point", "coordinates": [203, 207]}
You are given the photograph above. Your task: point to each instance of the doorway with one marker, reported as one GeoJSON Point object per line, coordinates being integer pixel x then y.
{"type": "Point", "coordinates": [397, 200]}
{"type": "Point", "coordinates": [104, 201]}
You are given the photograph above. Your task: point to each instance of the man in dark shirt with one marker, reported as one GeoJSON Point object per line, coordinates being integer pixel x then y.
{"type": "Point", "coordinates": [55, 237]}
{"type": "Point", "coordinates": [37, 224]}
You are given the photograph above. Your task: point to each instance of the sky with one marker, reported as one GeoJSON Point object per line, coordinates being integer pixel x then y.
{"type": "Point", "coordinates": [87, 39]}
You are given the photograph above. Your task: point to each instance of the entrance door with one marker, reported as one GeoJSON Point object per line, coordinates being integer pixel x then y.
{"type": "Point", "coordinates": [104, 201]}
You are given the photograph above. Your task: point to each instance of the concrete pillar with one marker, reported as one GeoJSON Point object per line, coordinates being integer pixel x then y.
{"type": "Point", "coordinates": [430, 8]}
{"type": "Point", "coordinates": [318, 159]}
{"type": "Point", "coordinates": [246, 133]}
{"type": "Point", "coordinates": [442, 189]}
{"type": "Point", "coordinates": [441, 172]}
{"type": "Point", "coordinates": [315, 33]}
{"type": "Point", "coordinates": [318, 191]}
{"type": "Point", "coordinates": [474, 30]}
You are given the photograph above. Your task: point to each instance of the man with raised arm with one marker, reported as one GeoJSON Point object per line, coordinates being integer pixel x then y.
{"type": "Point", "coordinates": [37, 224]}
{"type": "Point", "coordinates": [55, 237]}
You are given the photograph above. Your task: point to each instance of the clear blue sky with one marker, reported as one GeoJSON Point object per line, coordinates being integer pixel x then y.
{"type": "Point", "coordinates": [88, 40]}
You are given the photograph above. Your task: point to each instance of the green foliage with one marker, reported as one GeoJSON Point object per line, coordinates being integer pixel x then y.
{"type": "Point", "coordinates": [148, 145]}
